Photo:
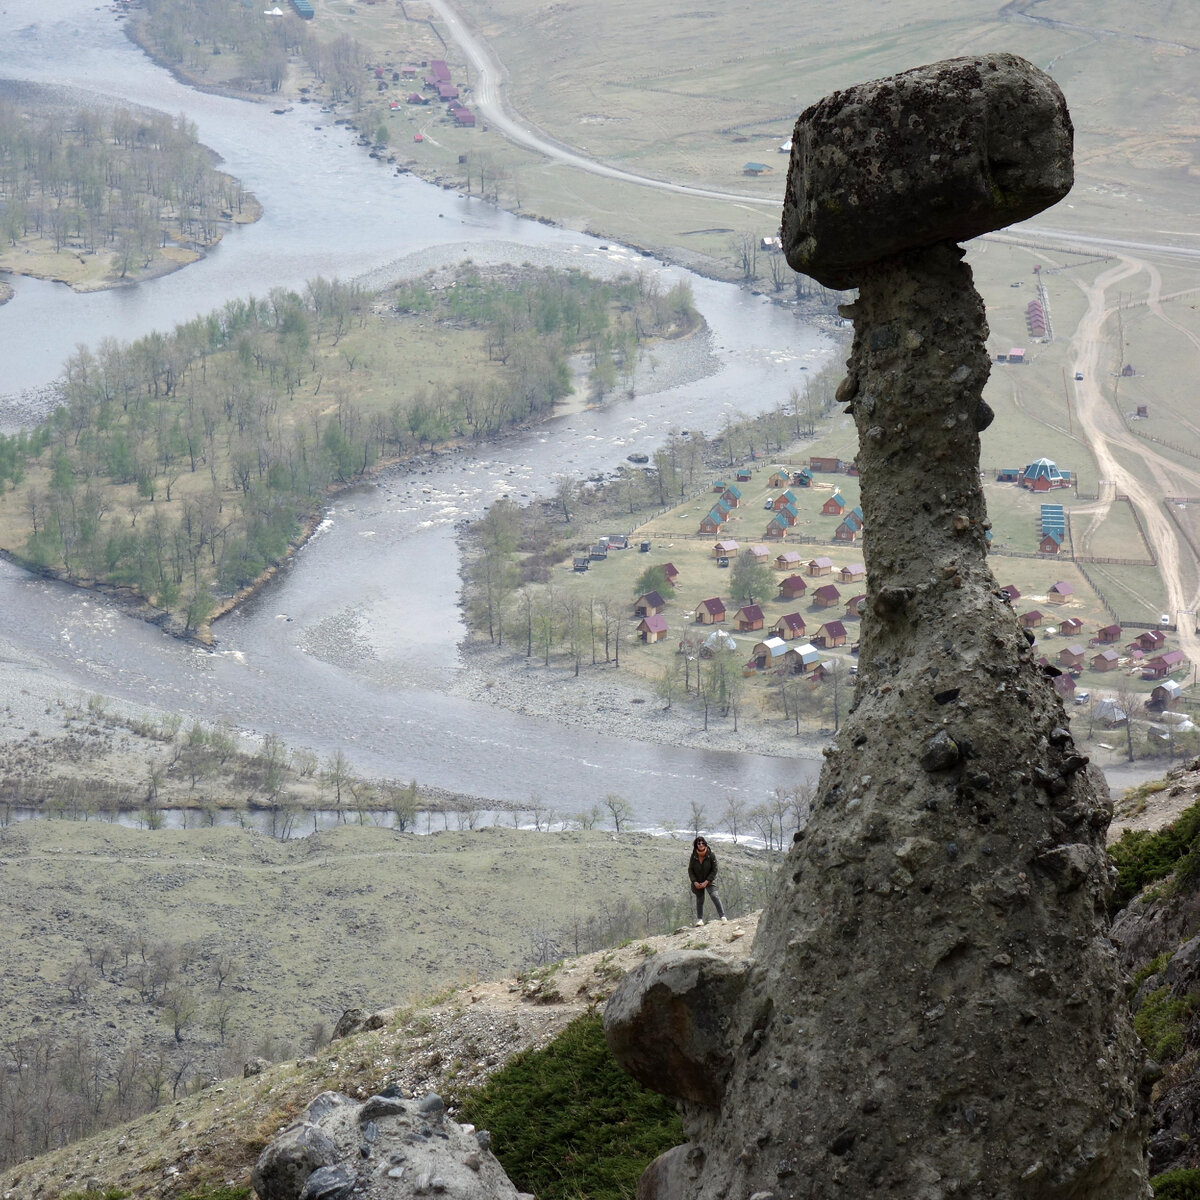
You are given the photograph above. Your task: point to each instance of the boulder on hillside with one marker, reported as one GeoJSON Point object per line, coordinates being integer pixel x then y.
{"type": "Point", "coordinates": [668, 1022]}
{"type": "Point", "coordinates": [386, 1148]}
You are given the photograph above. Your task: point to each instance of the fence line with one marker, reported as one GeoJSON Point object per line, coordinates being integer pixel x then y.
{"type": "Point", "coordinates": [1108, 608]}
{"type": "Point", "coordinates": [1169, 503]}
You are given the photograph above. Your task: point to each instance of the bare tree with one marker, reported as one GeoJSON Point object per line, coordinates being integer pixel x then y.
{"type": "Point", "coordinates": [619, 809]}
{"type": "Point", "coordinates": [734, 815]}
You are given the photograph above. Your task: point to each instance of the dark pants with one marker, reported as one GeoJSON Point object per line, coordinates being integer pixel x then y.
{"type": "Point", "coordinates": [711, 891]}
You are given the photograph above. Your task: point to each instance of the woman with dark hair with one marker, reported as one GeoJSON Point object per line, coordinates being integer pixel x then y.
{"type": "Point", "coordinates": [702, 871]}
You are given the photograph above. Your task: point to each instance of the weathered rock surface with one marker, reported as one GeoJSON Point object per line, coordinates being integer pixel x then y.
{"type": "Point", "coordinates": [934, 1008]}
{"type": "Point", "coordinates": [945, 151]}
{"type": "Point", "coordinates": [386, 1148]}
{"type": "Point", "coordinates": [668, 1023]}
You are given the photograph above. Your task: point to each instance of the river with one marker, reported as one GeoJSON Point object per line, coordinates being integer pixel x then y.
{"type": "Point", "coordinates": [347, 649]}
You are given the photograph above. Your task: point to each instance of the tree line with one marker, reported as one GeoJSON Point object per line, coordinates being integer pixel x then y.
{"type": "Point", "coordinates": [195, 36]}
{"type": "Point", "coordinates": [109, 180]}
{"type": "Point", "coordinates": [181, 465]}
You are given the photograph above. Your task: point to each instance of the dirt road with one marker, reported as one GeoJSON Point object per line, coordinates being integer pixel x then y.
{"type": "Point", "coordinates": [489, 97]}
{"type": "Point", "coordinates": [1101, 426]}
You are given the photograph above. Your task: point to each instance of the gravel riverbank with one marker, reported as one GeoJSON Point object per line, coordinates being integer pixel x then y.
{"type": "Point", "coordinates": [615, 702]}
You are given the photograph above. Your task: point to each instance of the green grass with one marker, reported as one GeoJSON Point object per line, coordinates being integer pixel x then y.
{"type": "Point", "coordinates": [1143, 857]}
{"type": "Point", "coordinates": [1161, 1023]}
{"type": "Point", "coordinates": [567, 1123]}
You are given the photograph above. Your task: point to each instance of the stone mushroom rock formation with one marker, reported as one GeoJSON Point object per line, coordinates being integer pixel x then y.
{"type": "Point", "coordinates": [933, 1008]}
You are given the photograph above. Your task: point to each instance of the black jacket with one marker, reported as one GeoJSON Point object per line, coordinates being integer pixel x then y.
{"type": "Point", "coordinates": [699, 871]}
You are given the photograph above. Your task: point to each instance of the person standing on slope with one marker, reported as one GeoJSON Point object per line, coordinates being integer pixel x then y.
{"type": "Point", "coordinates": [702, 871]}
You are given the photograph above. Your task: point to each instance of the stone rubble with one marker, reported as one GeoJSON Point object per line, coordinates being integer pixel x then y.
{"type": "Point", "coordinates": [385, 1148]}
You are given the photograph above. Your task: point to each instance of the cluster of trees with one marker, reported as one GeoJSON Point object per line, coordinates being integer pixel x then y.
{"type": "Point", "coordinates": [181, 465]}
{"type": "Point", "coordinates": [199, 36]}
{"type": "Point", "coordinates": [109, 180]}
{"type": "Point", "coordinates": [754, 261]}
{"type": "Point", "coordinates": [533, 317]}
{"type": "Point", "coordinates": [58, 1086]}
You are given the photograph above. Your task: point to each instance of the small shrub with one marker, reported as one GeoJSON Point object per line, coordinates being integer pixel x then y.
{"type": "Point", "coordinates": [1183, 1184]}
{"type": "Point", "coordinates": [1160, 1023]}
{"type": "Point", "coordinates": [220, 1193]}
{"type": "Point", "coordinates": [1146, 970]}
{"type": "Point", "coordinates": [566, 1121]}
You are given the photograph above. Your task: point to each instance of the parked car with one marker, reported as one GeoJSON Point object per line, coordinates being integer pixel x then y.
{"type": "Point", "coordinates": [722, 562]}
{"type": "Point", "coordinates": [1078, 374]}
{"type": "Point", "coordinates": [1082, 697]}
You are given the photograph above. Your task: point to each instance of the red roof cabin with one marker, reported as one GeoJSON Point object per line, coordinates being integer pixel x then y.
{"type": "Point", "coordinates": [749, 618]}
{"type": "Point", "coordinates": [1070, 626]}
{"type": "Point", "coordinates": [789, 560]}
{"type": "Point", "coordinates": [671, 571]}
{"type": "Point", "coordinates": [854, 605]}
{"type": "Point", "coordinates": [652, 628]}
{"type": "Point", "coordinates": [1163, 665]}
{"type": "Point", "coordinates": [1150, 641]}
{"type": "Point", "coordinates": [790, 626]}
{"type": "Point", "coordinates": [711, 611]}
{"type": "Point", "coordinates": [464, 117]}
{"type": "Point", "coordinates": [828, 465]}
{"type": "Point", "coordinates": [853, 573]}
{"type": "Point", "coordinates": [1031, 619]}
{"type": "Point", "coordinates": [648, 605]}
{"type": "Point", "coordinates": [820, 566]}
{"type": "Point", "coordinates": [1107, 636]}
{"type": "Point", "coordinates": [1106, 660]}
{"type": "Point", "coordinates": [1060, 593]}
{"type": "Point", "coordinates": [793, 586]}
{"type": "Point", "coordinates": [827, 596]}
{"type": "Point", "coordinates": [832, 633]}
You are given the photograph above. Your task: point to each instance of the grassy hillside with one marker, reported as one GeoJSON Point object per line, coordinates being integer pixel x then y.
{"type": "Point", "coordinates": [141, 964]}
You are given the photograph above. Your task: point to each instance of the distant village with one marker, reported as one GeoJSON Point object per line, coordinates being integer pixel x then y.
{"type": "Point", "coordinates": [818, 597]}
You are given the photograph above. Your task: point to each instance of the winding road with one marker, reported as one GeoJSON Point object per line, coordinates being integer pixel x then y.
{"type": "Point", "coordinates": [1103, 430]}
{"type": "Point", "coordinates": [490, 98]}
